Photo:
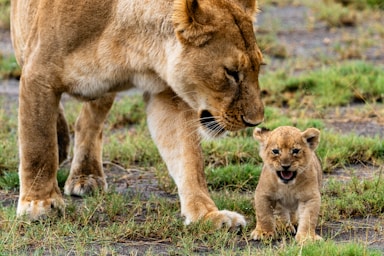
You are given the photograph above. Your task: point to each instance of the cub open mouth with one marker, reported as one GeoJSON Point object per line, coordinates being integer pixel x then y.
{"type": "Point", "coordinates": [286, 176]}
{"type": "Point", "coordinates": [209, 122]}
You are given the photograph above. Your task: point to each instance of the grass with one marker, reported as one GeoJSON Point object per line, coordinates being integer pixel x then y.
{"type": "Point", "coordinates": [139, 221]}
{"type": "Point", "coordinates": [9, 67]}
{"type": "Point", "coordinates": [107, 223]}
{"type": "Point", "coordinates": [356, 198]}
{"type": "Point", "coordinates": [4, 13]}
{"type": "Point", "coordinates": [338, 85]}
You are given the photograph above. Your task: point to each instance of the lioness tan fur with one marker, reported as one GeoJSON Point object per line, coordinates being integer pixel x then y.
{"type": "Point", "coordinates": [288, 192]}
{"type": "Point", "coordinates": [197, 61]}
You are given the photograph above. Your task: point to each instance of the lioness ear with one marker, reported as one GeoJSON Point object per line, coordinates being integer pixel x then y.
{"type": "Point", "coordinates": [260, 134]}
{"type": "Point", "coordinates": [311, 136]}
{"type": "Point", "coordinates": [250, 6]}
{"type": "Point", "coordinates": [189, 22]}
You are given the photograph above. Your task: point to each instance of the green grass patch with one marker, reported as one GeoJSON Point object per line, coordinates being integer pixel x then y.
{"type": "Point", "coordinates": [9, 67]}
{"type": "Point", "coordinates": [355, 198]}
{"type": "Point", "coordinates": [362, 4]}
{"type": "Point", "coordinates": [330, 248]}
{"type": "Point", "coordinates": [5, 7]}
{"type": "Point", "coordinates": [8, 136]}
{"type": "Point", "coordinates": [337, 85]}
{"type": "Point", "coordinates": [339, 150]}
{"type": "Point", "coordinates": [234, 177]}
{"type": "Point", "coordinates": [335, 14]}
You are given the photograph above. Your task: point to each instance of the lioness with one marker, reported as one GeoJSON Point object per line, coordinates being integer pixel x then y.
{"type": "Point", "coordinates": [197, 61]}
{"type": "Point", "coordinates": [289, 186]}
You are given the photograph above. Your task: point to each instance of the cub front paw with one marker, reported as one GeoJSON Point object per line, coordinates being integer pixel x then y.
{"type": "Point", "coordinates": [82, 185]}
{"type": "Point", "coordinates": [262, 235]}
{"type": "Point", "coordinates": [41, 209]}
{"type": "Point", "coordinates": [305, 237]}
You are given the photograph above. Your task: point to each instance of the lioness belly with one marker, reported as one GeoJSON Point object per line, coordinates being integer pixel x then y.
{"type": "Point", "coordinates": [91, 83]}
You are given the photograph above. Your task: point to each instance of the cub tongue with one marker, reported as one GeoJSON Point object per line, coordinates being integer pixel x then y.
{"type": "Point", "coordinates": [286, 175]}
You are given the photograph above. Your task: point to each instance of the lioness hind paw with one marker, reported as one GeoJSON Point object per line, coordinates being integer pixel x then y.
{"type": "Point", "coordinates": [82, 185]}
{"type": "Point", "coordinates": [41, 209]}
{"type": "Point", "coordinates": [225, 218]}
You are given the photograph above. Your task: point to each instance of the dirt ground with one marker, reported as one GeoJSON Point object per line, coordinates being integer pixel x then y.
{"type": "Point", "coordinates": [300, 42]}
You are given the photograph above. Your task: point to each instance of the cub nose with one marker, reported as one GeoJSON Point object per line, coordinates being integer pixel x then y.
{"type": "Point", "coordinates": [286, 167]}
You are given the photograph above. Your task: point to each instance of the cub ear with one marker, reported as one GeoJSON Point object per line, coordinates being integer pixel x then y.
{"type": "Point", "coordinates": [189, 21]}
{"type": "Point", "coordinates": [250, 6]}
{"type": "Point", "coordinates": [260, 134]}
{"type": "Point", "coordinates": [311, 136]}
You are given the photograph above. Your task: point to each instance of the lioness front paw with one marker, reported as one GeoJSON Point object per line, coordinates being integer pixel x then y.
{"type": "Point", "coordinates": [82, 185]}
{"type": "Point", "coordinates": [262, 235]}
{"type": "Point", "coordinates": [41, 209]}
{"type": "Point", "coordinates": [305, 237]}
{"type": "Point", "coordinates": [225, 218]}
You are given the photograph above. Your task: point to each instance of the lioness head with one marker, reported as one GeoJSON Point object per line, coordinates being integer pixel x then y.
{"type": "Point", "coordinates": [217, 65]}
{"type": "Point", "coordinates": [286, 150]}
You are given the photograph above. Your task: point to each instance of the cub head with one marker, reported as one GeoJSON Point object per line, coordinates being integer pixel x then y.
{"type": "Point", "coordinates": [217, 62]}
{"type": "Point", "coordinates": [286, 150]}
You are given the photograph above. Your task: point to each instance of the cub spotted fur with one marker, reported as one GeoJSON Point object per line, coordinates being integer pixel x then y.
{"type": "Point", "coordinates": [288, 192]}
{"type": "Point", "coordinates": [197, 61]}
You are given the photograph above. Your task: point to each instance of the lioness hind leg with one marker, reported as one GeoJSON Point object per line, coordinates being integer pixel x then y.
{"type": "Point", "coordinates": [173, 126]}
{"type": "Point", "coordinates": [87, 174]}
{"type": "Point", "coordinates": [38, 112]}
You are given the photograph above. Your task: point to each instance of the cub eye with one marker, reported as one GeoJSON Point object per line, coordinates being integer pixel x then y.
{"type": "Point", "coordinates": [233, 73]}
{"type": "Point", "coordinates": [275, 151]}
{"type": "Point", "coordinates": [295, 151]}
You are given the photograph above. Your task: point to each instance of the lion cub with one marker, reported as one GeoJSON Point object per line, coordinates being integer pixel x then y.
{"type": "Point", "coordinates": [288, 192]}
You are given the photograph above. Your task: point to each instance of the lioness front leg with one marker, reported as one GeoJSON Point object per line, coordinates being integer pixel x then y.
{"type": "Point", "coordinates": [38, 114]}
{"type": "Point", "coordinates": [174, 128]}
{"type": "Point", "coordinates": [87, 174]}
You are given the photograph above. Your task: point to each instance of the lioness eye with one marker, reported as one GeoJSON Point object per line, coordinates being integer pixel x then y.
{"type": "Point", "coordinates": [295, 151]}
{"type": "Point", "coordinates": [275, 151]}
{"type": "Point", "coordinates": [232, 73]}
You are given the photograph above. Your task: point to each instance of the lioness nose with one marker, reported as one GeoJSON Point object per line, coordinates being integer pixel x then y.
{"type": "Point", "coordinates": [249, 123]}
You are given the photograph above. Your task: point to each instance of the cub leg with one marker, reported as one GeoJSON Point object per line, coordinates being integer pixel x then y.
{"type": "Point", "coordinates": [265, 220]}
{"type": "Point", "coordinates": [38, 113]}
{"type": "Point", "coordinates": [308, 215]}
{"type": "Point", "coordinates": [174, 128]}
{"type": "Point", "coordinates": [283, 220]}
{"type": "Point", "coordinates": [87, 175]}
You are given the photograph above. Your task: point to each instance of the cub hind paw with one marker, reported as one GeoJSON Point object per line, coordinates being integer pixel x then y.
{"type": "Point", "coordinates": [82, 185]}
{"type": "Point", "coordinates": [262, 235]}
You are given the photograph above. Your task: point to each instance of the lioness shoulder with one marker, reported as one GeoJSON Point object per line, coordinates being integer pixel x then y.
{"type": "Point", "coordinates": [288, 192]}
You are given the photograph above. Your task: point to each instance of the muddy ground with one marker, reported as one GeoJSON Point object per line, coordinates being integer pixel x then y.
{"type": "Point", "coordinates": [300, 42]}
